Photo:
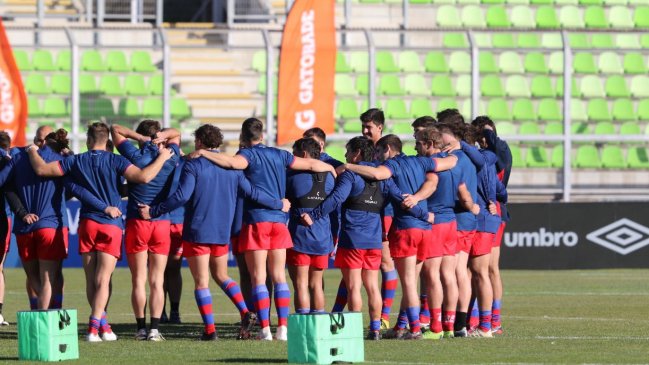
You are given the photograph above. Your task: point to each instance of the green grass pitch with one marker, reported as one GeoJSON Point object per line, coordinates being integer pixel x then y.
{"type": "Point", "coordinates": [597, 316]}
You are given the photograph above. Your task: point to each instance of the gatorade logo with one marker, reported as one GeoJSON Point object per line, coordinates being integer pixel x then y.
{"type": "Point", "coordinates": [542, 238]}
{"type": "Point", "coordinates": [623, 236]}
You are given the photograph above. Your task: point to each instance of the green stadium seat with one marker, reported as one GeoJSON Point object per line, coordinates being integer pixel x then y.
{"type": "Point", "coordinates": [341, 63]}
{"type": "Point", "coordinates": [604, 128]}
{"type": "Point", "coordinates": [598, 110]}
{"type": "Point", "coordinates": [644, 41]}
{"type": "Point", "coordinates": [129, 108]}
{"type": "Point", "coordinates": [261, 84]}
{"type": "Point", "coordinates": [352, 127]}
{"type": "Point", "coordinates": [420, 1]}
{"type": "Point", "coordinates": [92, 61]}
{"type": "Point", "coordinates": [497, 17]}
{"type": "Point", "coordinates": [517, 156]}
{"type": "Point", "coordinates": [510, 62]}
{"type": "Point", "coordinates": [103, 108]}
{"type": "Point", "coordinates": [487, 63]}
{"type": "Point", "coordinates": [493, 1]}
{"type": "Point", "coordinates": [530, 40]}
{"type": "Point", "coordinates": [54, 107]}
{"type": "Point", "coordinates": [506, 129]}
{"type": "Point", "coordinates": [111, 85]}
{"type": "Point", "coordinates": [156, 85]}
{"type": "Point", "coordinates": [523, 109]}
{"type": "Point", "coordinates": [344, 85]}
{"type": "Point", "coordinates": [517, 87]}
{"type": "Point", "coordinates": [420, 108]}
{"type": "Point", "coordinates": [259, 61]}
{"type": "Point", "coordinates": [463, 85]}
{"type": "Point", "coordinates": [590, 2]}
{"type": "Point", "coordinates": [595, 18]}
{"type": "Point", "coordinates": [587, 157]}
{"type": "Point", "coordinates": [152, 108]}
{"type": "Point", "coordinates": [566, 2]}
{"type": "Point", "coordinates": [365, 105]}
{"type": "Point", "coordinates": [498, 110]}
{"type": "Point", "coordinates": [609, 63]}
{"type": "Point", "coordinates": [179, 109]}
{"type": "Point", "coordinates": [116, 62]}
{"type": "Point", "coordinates": [22, 60]}
{"type": "Point", "coordinates": [640, 86]}
{"type": "Point", "coordinates": [612, 158]}
{"type": "Point", "coordinates": [643, 110]}
{"type": "Point", "coordinates": [546, 17]}
{"type": "Point", "coordinates": [634, 63]}
{"type": "Point", "coordinates": [555, 62]}
{"type": "Point", "coordinates": [541, 2]}
{"type": "Point", "coordinates": [482, 40]}
{"type": "Point", "coordinates": [591, 87]}
{"type": "Point", "coordinates": [460, 62]}
{"type": "Point", "coordinates": [637, 158]}
{"type": "Point", "coordinates": [629, 41]}
{"type": "Point", "coordinates": [584, 63]}
{"type": "Point", "coordinates": [401, 128]}
{"type": "Point", "coordinates": [553, 129]}
{"type": "Point", "coordinates": [623, 110]}
{"type": "Point", "coordinates": [579, 40]}
{"type": "Point", "coordinates": [638, 2]}
{"type": "Point", "coordinates": [535, 63]}
{"type": "Point", "coordinates": [522, 17]}
{"type": "Point", "coordinates": [347, 109]}
{"type": "Point", "coordinates": [336, 151]}
{"type": "Point", "coordinates": [529, 128]}
{"type": "Point", "coordinates": [551, 40]}
{"type": "Point", "coordinates": [64, 60]}
{"type": "Point", "coordinates": [569, 17]}
{"type": "Point", "coordinates": [577, 110]}
{"type": "Point", "coordinates": [390, 85]}
{"type": "Point", "coordinates": [42, 60]}
{"type": "Point", "coordinates": [455, 40]}
{"type": "Point", "coordinates": [575, 91]}
{"type": "Point", "coordinates": [60, 84]}
{"type": "Point", "coordinates": [385, 62]}
{"type": "Point", "coordinates": [448, 17]}
{"type": "Point", "coordinates": [619, 17]}
{"type": "Point", "coordinates": [87, 84]}
{"type": "Point", "coordinates": [134, 85]}
{"type": "Point", "coordinates": [141, 62]}
{"type": "Point", "coordinates": [616, 87]}
{"type": "Point", "coordinates": [443, 104]}
{"type": "Point", "coordinates": [36, 84]}
{"type": "Point", "coordinates": [396, 109]}
{"type": "Point", "coordinates": [416, 85]}
{"type": "Point", "coordinates": [537, 157]}
{"type": "Point", "coordinates": [409, 62]}
{"type": "Point", "coordinates": [409, 149]}
{"type": "Point", "coordinates": [473, 17]}
{"type": "Point", "coordinates": [436, 62]}
{"type": "Point", "coordinates": [491, 86]}
{"type": "Point", "coordinates": [503, 40]}
{"type": "Point", "coordinates": [557, 156]}
{"type": "Point", "coordinates": [641, 17]}
{"type": "Point", "coordinates": [441, 85]}
{"type": "Point", "coordinates": [362, 85]}
{"type": "Point", "coordinates": [465, 2]}
{"type": "Point", "coordinates": [34, 107]}
{"type": "Point", "coordinates": [359, 62]}
{"type": "Point", "coordinates": [516, 2]}
{"type": "Point", "coordinates": [602, 40]}
{"type": "Point", "coordinates": [467, 108]}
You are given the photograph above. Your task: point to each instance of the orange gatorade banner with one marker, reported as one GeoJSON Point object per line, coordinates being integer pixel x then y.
{"type": "Point", "coordinates": [307, 68]}
{"type": "Point", "coordinates": [13, 101]}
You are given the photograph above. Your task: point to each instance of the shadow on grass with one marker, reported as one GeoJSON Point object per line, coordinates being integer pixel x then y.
{"type": "Point", "coordinates": [6, 358]}
{"type": "Point", "coordinates": [249, 360]}
{"type": "Point", "coordinates": [183, 331]}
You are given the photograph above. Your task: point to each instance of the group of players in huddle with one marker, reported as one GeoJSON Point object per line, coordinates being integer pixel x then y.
{"type": "Point", "coordinates": [433, 221]}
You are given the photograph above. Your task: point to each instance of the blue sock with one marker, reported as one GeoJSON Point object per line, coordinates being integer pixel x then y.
{"type": "Point", "coordinates": [413, 319]}
{"type": "Point", "coordinates": [303, 311]}
{"type": "Point", "coordinates": [375, 325]}
{"type": "Point", "coordinates": [402, 320]}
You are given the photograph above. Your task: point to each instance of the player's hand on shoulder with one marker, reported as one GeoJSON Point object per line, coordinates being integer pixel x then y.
{"type": "Point", "coordinates": [30, 218]}
{"type": "Point", "coordinates": [166, 152]}
{"type": "Point", "coordinates": [195, 154]}
{"type": "Point", "coordinates": [306, 219]}
{"type": "Point", "coordinates": [431, 218]}
{"type": "Point", "coordinates": [286, 205]}
{"type": "Point", "coordinates": [340, 169]}
{"type": "Point", "coordinates": [475, 209]}
{"type": "Point", "coordinates": [113, 212]}
{"type": "Point", "coordinates": [409, 201]}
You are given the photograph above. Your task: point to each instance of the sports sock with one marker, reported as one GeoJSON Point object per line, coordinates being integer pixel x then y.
{"type": "Point", "coordinates": [204, 303]}
{"type": "Point", "coordinates": [141, 323]}
{"type": "Point", "coordinates": [103, 323]}
{"type": "Point", "coordinates": [317, 311]}
{"type": "Point", "coordinates": [413, 319]}
{"type": "Point", "coordinates": [341, 298]}
{"type": "Point", "coordinates": [232, 290]}
{"type": "Point", "coordinates": [388, 290]}
{"type": "Point", "coordinates": [460, 321]}
{"type": "Point", "coordinates": [475, 312]}
{"type": "Point", "coordinates": [495, 313]}
{"type": "Point", "coordinates": [175, 308]}
{"type": "Point", "coordinates": [402, 320]}
{"type": "Point", "coordinates": [485, 320]}
{"type": "Point", "coordinates": [33, 303]}
{"type": "Point", "coordinates": [262, 304]}
{"type": "Point", "coordinates": [436, 320]}
{"type": "Point", "coordinates": [57, 301]}
{"type": "Point", "coordinates": [424, 313]}
{"type": "Point", "coordinates": [282, 303]}
{"type": "Point", "coordinates": [155, 323]}
{"type": "Point", "coordinates": [448, 319]}
{"type": "Point", "coordinates": [0, 308]}
{"type": "Point", "coordinates": [93, 325]}
{"type": "Point", "coordinates": [375, 325]}
{"type": "Point", "coordinates": [303, 311]}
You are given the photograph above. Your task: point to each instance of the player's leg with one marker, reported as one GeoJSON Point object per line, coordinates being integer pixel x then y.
{"type": "Point", "coordinates": [407, 269]}
{"type": "Point", "coordinates": [496, 283]}
{"type": "Point", "coordinates": [105, 265]}
{"type": "Point", "coordinates": [48, 273]}
{"type": "Point", "coordinates": [173, 281]}
{"type": "Point", "coordinates": [33, 277]}
{"type": "Point", "coordinates": [374, 302]}
{"type": "Point", "coordinates": [450, 288]}
{"type": "Point", "coordinates": [431, 271]}
{"type": "Point", "coordinates": [479, 264]}
{"type": "Point", "coordinates": [316, 288]}
{"type": "Point", "coordinates": [57, 288]}
{"type": "Point", "coordinates": [341, 297]}
{"type": "Point", "coordinates": [199, 262]}
{"type": "Point", "coordinates": [277, 264]}
{"type": "Point", "coordinates": [463, 282]}
{"type": "Point", "coordinates": [256, 262]}
{"type": "Point", "coordinates": [389, 277]}
{"type": "Point", "coordinates": [137, 263]}
{"type": "Point", "coordinates": [5, 238]}
{"type": "Point", "coordinates": [157, 265]}
{"type": "Point", "coordinates": [244, 280]}
{"type": "Point", "coordinates": [300, 278]}
{"type": "Point", "coordinates": [353, 282]}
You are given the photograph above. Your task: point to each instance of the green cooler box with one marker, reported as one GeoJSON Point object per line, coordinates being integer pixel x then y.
{"type": "Point", "coordinates": [48, 335]}
{"type": "Point", "coordinates": [325, 338]}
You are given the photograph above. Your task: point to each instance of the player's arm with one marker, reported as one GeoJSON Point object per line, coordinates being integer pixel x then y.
{"type": "Point", "coordinates": [465, 199]}
{"type": "Point", "coordinates": [425, 191]}
{"type": "Point", "coordinates": [474, 155]}
{"type": "Point", "coordinates": [167, 135]}
{"type": "Point", "coordinates": [501, 192]}
{"type": "Point", "coordinates": [260, 196]}
{"type": "Point", "coordinates": [392, 192]}
{"type": "Point", "coordinates": [120, 134]}
{"type": "Point", "coordinates": [380, 172]}
{"type": "Point", "coordinates": [179, 198]}
{"type": "Point", "coordinates": [312, 165]}
{"type": "Point", "coordinates": [445, 163]}
{"type": "Point", "coordinates": [144, 176]}
{"type": "Point", "coordinates": [42, 168]}
{"type": "Point", "coordinates": [14, 202]}
{"type": "Point", "coordinates": [338, 195]}
{"type": "Point", "coordinates": [89, 199]}
{"type": "Point", "coordinates": [236, 162]}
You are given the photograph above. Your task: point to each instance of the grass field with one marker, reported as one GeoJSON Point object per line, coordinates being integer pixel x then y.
{"type": "Point", "coordinates": [597, 316]}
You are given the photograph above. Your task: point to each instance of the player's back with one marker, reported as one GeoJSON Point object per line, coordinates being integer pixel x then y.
{"type": "Point", "coordinates": [442, 202]}
{"type": "Point", "coordinates": [465, 172]}
{"type": "Point", "coordinates": [409, 174]}
{"type": "Point", "coordinates": [361, 212]}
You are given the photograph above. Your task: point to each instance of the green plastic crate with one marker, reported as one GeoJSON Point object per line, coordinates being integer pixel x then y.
{"type": "Point", "coordinates": [325, 338]}
{"type": "Point", "coordinates": [48, 335]}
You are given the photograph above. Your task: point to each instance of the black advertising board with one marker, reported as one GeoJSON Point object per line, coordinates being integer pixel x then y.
{"type": "Point", "coordinates": [576, 236]}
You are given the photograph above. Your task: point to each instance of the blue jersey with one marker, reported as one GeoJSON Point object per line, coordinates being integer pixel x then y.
{"type": "Point", "coordinates": [409, 173]}
{"type": "Point", "coordinates": [316, 239]}
{"type": "Point", "coordinates": [157, 190]}
{"type": "Point", "coordinates": [485, 162]}
{"type": "Point", "coordinates": [267, 172]}
{"type": "Point", "coordinates": [324, 157]}
{"type": "Point", "coordinates": [238, 216]}
{"type": "Point", "coordinates": [442, 202]}
{"type": "Point", "coordinates": [177, 216]}
{"type": "Point", "coordinates": [334, 217]}
{"type": "Point", "coordinates": [360, 229]}
{"type": "Point", "coordinates": [465, 173]}
{"type": "Point", "coordinates": [209, 194]}
{"type": "Point", "coordinates": [98, 172]}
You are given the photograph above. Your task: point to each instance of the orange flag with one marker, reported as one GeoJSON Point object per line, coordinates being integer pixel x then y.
{"type": "Point", "coordinates": [307, 69]}
{"type": "Point", "coordinates": [13, 101]}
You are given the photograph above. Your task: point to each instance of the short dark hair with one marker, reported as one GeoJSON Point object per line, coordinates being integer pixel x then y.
{"type": "Point", "coordinates": [424, 122]}
{"type": "Point", "coordinates": [457, 130]}
{"type": "Point", "coordinates": [252, 130]}
{"type": "Point", "coordinates": [315, 132]}
{"type": "Point", "coordinates": [390, 140]}
{"type": "Point", "coordinates": [98, 132]}
{"type": "Point", "coordinates": [483, 120]}
{"type": "Point", "coordinates": [445, 114]}
{"type": "Point", "coordinates": [209, 135]}
{"type": "Point", "coordinates": [362, 144]}
{"type": "Point", "coordinates": [430, 135]}
{"type": "Point", "coordinates": [472, 135]}
{"type": "Point", "coordinates": [373, 115]}
{"type": "Point", "coordinates": [308, 145]}
{"type": "Point", "coordinates": [58, 140]}
{"type": "Point", "coordinates": [5, 140]}
{"type": "Point", "coordinates": [148, 128]}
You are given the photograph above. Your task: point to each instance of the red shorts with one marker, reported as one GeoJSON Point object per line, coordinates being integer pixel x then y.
{"type": "Point", "coordinates": [191, 249]}
{"type": "Point", "coordinates": [95, 236]}
{"type": "Point", "coordinates": [7, 241]}
{"type": "Point", "coordinates": [176, 235]}
{"type": "Point", "coordinates": [446, 234]}
{"type": "Point", "coordinates": [264, 236]}
{"type": "Point", "coordinates": [482, 243]}
{"type": "Point", "coordinates": [295, 258]}
{"type": "Point", "coordinates": [234, 242]}
{"type": "Point", "coordinates": [43, 244]}
{"type": "Point", "coordinates": [151, 236]}
{"type": "Point", "coordinates": [412, 242]}
{"type": "Point", "coordinates": [349, 258]}
{"type": "Point", "coordinates": [386, 224]}
{"type": "Point", "coordinates": [465, 241]}
{"type": "Point", "coordinates": [499, 235]}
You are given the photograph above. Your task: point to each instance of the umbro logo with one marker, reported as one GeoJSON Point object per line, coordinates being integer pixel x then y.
{"type": "Point", "coordinates": [623, 236]}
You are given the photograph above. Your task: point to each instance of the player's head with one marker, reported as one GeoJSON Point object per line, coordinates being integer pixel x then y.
{"type": "Point", "coordinates": [484, 122]}
{"type": "Point", "coordinates": [387, 147]}
{"type": "Point", "coordinates": [58, 140]}
{"type": "Point", "coordinates": [318, 134]}
{"type": "Point", "coordinates": [423, 123]}
{"type": "Point", "coordinates": [148, 128]}
{"type": "Point", "coordinates": [5, 140]}
{"type": "Point", "coordinates": [208, 137]}
{"type": "Point", "coordinates": [428, 141]}
{"type": "Point", "coordinates": [97, 136]}
{"type": "Point", "coordinates": [306, 148]}
{"type": "Point", "coordinates": [450, 115]}
{"type": "Point", "coordinates": [474, 135]}
{"type": "Point", "coordinates": [373, 122]}
{"type": "Point", "coordinates": [252, 132]}
{"type": "Point", "coordinates": [41, 133]}
{"type": "Point", "coordinates": [451, 133]}
{"type": "Point", "coordinates": [359, 149]}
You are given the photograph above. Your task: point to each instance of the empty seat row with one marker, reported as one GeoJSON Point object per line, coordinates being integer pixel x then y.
{"type": "Point", "coordinates": [111, 85]}
{"type": "Point", "coordinates": [101, 107]}
{"type": "Point", "coordinates": [556, 128]}
{"type": "Point", "coordinates": [586, 156]}
{"type": "Point", "coordinates": [92, 60]}
{"type": "Point", "coordinates": [548, 40]}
